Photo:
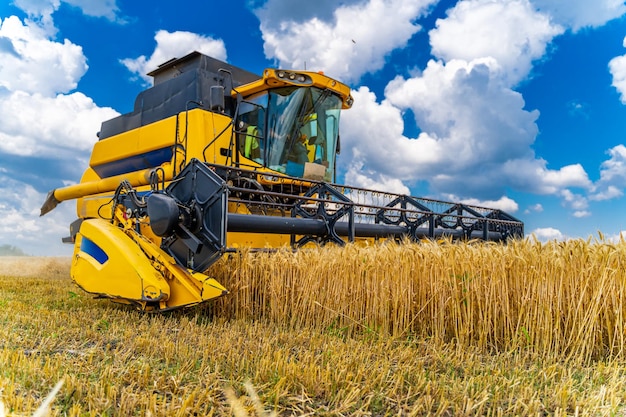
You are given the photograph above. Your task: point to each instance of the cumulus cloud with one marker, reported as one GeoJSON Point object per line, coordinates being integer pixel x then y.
{"type": "Point", "coordinates": [535, 208]}
{"type": "Point", "coordinates": [63, 124]}
{"type": "Point", "coordinates": [614, 168]}
{"type": "Point", "coordinates": [504, 203]}
{"type": "Point", "coordinates": [355, 41]}
{"type": "Point", "coordinates": [577, 202]}
{"type": "Point", "coordinates": [577, 14]}
{"type": "Point", "coordinates": [562, 178]}
{"type": "Point", "coordinates": [41, 11]}
{"type": "Point", "coordinates": [174, 45]}
{"type": "Point", "coordinates": [545, 234]}
{"type": "Point", "coordinates": [617, 67]}
{"type": "Point", "coordinates": [31, 62]}
{"type": "Point", "coordinates": [37, 117]}
{"type": "Point", "coordinates": [617, 237]}
{"type": "Point", "coordinates": [21, 226]}
{"type": "Point", "coordinates": [475, 139]}
{"type": "Point", "coordinates": [511, 32]}
{"type": "Point", "coordinates": [609, 193]}
{"type": "Point", "coordinates": [274, 12]}
{"type": "Point", "coordinates": [44, 125]}
{"type": "Point", "coordinates": [98, 8]}
{"type": "Point", "coordinates": [356, 176]}
{"type": "Point", "coordinates": [613, 171]}
{"type": "Point", "coordinates": [365, 149]}
{"type": "Point", "coordinates": [612, 175]}
{"type": "Point", "coordinates": [476, 135]}
{"type": "Point", "coordinates": [467, 112]}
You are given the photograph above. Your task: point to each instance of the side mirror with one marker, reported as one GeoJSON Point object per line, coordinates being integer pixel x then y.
{"type": "Point", "coordinates": [217, 98]}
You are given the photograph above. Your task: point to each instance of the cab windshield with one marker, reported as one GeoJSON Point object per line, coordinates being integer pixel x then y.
{"type": "Point", "coordinates": [292, 130]}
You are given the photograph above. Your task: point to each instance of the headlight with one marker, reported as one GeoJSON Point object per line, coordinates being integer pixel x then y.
{"type": "Point", "coordinates": [294, 77]}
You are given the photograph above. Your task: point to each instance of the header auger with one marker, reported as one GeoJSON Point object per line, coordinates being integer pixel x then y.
{"type": "Point", "coordinates": [214, 158]}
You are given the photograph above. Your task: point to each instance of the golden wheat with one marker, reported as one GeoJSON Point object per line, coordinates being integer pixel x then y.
{"type": "Point", "coordinates": [431, 328]}
{"type": "Point", "coordinates": [564, 298]}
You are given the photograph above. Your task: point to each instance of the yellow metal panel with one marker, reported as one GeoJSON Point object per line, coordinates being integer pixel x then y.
{"type": "Point", "coordinates": [143, 139]}
{"type": "Point", "coordinates": [136, 179]}
{"type": "Point", "coordinates": [272, 80]}
{"type": "Point", "coordinates": [204, 134]}
{"type": "Point", "coordinates": [256, 240]}
{"type": "Point", "coordinates": [108, 262]}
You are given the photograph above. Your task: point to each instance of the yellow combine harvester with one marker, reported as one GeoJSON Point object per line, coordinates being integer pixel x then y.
{"type": "Point", "coordinates": [214, 158]}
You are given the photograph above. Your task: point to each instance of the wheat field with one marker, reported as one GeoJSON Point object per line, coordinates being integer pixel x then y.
{"type": "Point", "coordinates": [435, 328]}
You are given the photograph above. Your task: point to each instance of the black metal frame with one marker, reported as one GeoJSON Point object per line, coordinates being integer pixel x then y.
{"type": "Point", "coordinates": [337, 215]}
{"type": "Point", "coordinates": [191, 213]}
{"type": "Point", "coordinates": [325, 194]}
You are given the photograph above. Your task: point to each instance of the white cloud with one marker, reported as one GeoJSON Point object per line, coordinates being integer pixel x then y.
{"type": "Point", "coordinates": [37, 7]}
{"type": "Point", "coordinates": [21, 226]}
{"type": "Point", "coordinates": [384, 151]}
{"type": "Point", "coordinates": [504, 203]}
{"type": "Point", "coordinates": [610, 193]}
{"type": "Point", "coordinates": [579, 110]}
{"type": "Point", "coordinates": [34, 119]}
{"type": "Point", "coordinates": [357, 177]}
{"type": "Point", "coordinates": [40, 13]}
{"type": "Point", "coordinates": [577, 14]}
{"type": "Point", "coordinates": [615, 167]}
{"type": "Point", "coordinates": [98, 8]}
{"type": "Point", "coordinates": [617, 237]}
{"type": "Point", "coordinates": [475, 142]}
{"type": "Point", "coordinates": [545, 234]}
{"type": "Point", "coordinates": [535, 208]}
{"type": "Point", "coordinates": [567, 176]}
{"type": "Point", "coordinates": [617, 67]}
{"type": "Point", "coordinates": [532, 175]}
{"type": "Point", "coordinates": [612, 176]}
{"type": "Point", "coordinates": [65, 125]}
{"type": "Point", "coordinates": [42, 10]}
{"type": "Point", "coordinates": [44, 127]}
{"type": "Point", "coordinates": [354, 42]}
{"type": "Point", "coordinates": [476, 134]}
{"type": "Point", "coordinates": [35, 64]}
{"type": "Point", "coordinates": [467, 110]}
{"type": "Point", "coordinates": [576, 202]}
{"type": "Point", "coordinates": [274, 12]}
{"type": "Point", "coordinates": [471, 124]}
{"type": "Point", "coordinates": [511, 32]}
{"type": "Point", "coordinates": [174, 45]}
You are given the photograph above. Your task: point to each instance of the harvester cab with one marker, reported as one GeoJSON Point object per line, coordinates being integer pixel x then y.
{"type": "Point", "coordinates": [214, 158]}
{"type": "Point", "coordinates": [292, 129]}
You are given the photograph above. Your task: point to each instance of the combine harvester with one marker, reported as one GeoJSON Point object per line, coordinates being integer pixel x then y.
{"type": "Point", "coordinates": [214, 158]}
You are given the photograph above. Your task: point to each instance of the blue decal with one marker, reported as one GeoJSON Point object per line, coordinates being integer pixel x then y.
{"type": "Point", "coordinates": [93, 250]}
{"type": "Point", "coordinates": [146, 160]}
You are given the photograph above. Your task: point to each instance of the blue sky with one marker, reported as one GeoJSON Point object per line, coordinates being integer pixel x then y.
{"type": "Point", "coordinates": [515, 104]}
